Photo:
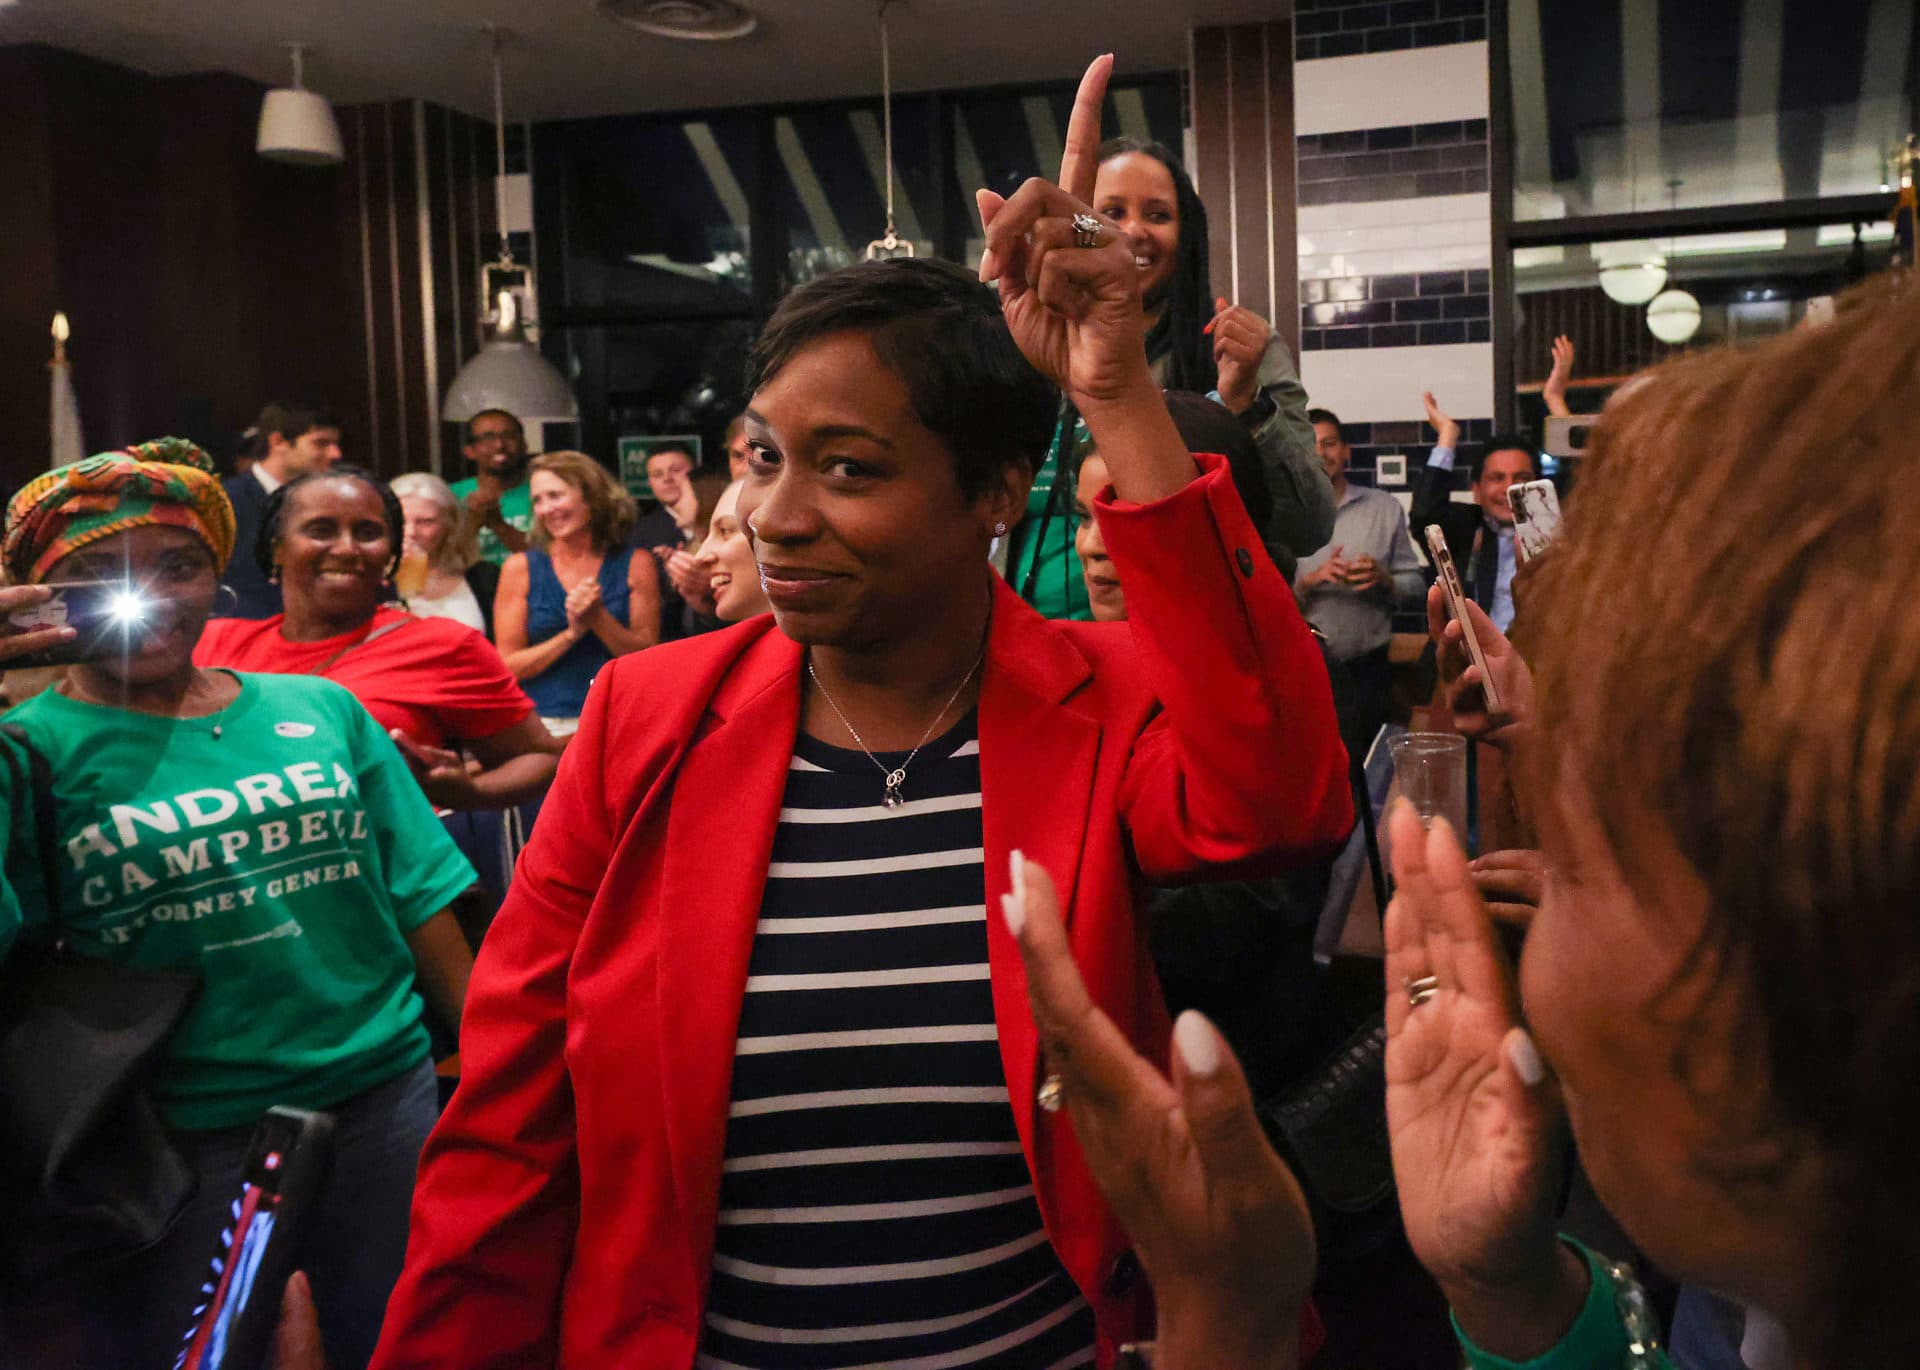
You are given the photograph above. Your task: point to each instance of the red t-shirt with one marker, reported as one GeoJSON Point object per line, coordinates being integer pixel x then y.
{"type": "Point", "coordinates": [432, 678]}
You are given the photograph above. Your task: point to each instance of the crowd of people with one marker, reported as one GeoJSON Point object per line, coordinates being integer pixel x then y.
{"type": "Point", "coordinates": [931, 819]}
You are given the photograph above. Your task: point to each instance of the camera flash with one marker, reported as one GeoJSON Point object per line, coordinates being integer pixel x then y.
{"type": "Point", "coordinates": [128, 606]}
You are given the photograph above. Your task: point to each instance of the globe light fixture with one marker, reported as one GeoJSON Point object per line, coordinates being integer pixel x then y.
{"type": "Point", "coordinates": [1673, 316]}
{"type": "Point", "coordinates": [1632, 272]}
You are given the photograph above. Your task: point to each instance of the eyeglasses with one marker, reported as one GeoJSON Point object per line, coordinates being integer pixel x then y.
{"type": "Point", "coordinates": [501, 438]}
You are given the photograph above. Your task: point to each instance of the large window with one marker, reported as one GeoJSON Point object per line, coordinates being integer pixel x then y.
{"type": "Point", "coordinates": [664, 240]}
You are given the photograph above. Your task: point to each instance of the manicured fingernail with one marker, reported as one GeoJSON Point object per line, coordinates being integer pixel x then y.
{"type": "Point", "coordinates": [989, 265]}
{"type": "Point", "coordinates": [1525, 1057]}
{"type": "Point", "coordinates": [1017, 877]}
{"type": "Point", "coordinates": [1199, 1044]}
{"type": "Point", "coordinates": [1014, 913]}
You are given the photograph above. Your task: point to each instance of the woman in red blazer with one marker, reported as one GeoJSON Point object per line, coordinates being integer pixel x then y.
{"type": "Point", "coordinates": [573, 1206]}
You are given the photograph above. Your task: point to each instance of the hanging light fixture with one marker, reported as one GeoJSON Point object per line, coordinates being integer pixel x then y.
{"type": "Point", "coordinates": [891, 244]}
{"type": "Point", "coordinates": [1673, 316]}
{"type": "Point", "coordinates": [296, 124]}
{"type": "Point", "coordinates": [1631, 272]}
{"type": "Point", "coordinates": [508, 371]}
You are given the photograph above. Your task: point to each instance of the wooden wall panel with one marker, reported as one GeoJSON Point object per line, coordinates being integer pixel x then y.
{"type": "Point", "coordinates": [1242, 119]}
{"type": "Point", "coordinates": [203, 281]}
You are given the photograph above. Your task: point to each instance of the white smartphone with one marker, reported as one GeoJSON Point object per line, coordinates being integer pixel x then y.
{"type": "Point", "coordinates": [1457, 602]}
{"type": "Point", "coordinates": [1536, 517]}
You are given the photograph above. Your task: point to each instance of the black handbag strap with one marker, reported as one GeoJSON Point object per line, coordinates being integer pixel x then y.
{"type": "Point", "coordinates": [46, 828]}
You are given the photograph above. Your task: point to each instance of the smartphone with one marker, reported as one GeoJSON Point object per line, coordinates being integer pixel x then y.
{"type": "Point", "coordinates": [239, 1309]}
{"type": "Point", "coordinates": [1567, 434]}
{"type": "Point", "coordinates": [1457, 601]}
{"type": "Point", "coordinates": [1536, 517]}
{"type": "Point", "coordinates": [107, 615]}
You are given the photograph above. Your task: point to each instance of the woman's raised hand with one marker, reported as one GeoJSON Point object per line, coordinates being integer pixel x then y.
{"type": "Point", "coordinates": [1240, 339]}
{"type": "Point", "coordinates": [1216, 1217]}
{"type": "Point", "coordinates": [1074, 310]}
{"type": "Point", "coordinates": [1475, 1123]}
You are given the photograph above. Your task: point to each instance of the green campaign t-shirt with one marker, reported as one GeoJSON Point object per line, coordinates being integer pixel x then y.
{"type": "Point", "coordinates": [281, 848]}
{"type": "Point", "coordinates": [1044, 568]}
{"type": "Point", "coordinates": [516, 507]}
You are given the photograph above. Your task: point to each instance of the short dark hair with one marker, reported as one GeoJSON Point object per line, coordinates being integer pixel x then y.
{"type": "Point", "coordinates": [291, 421]}
{"type": "Point", "coordinates": [275, 512]}
{"type": "Point", "coordinates": [1327, 416]}
{"type": "Point", "coordinates": [466, 430]}
{"type": "Point", "coordinates": [1505, 442]}
{"type": "Point", "coordinates": [940, 331]}
{"type": "Point", "coordinates": [1207, 426]}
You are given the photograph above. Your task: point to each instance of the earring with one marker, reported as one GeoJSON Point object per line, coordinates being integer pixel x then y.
{"type": "Point", "coordinates": [1000, 530]}
{"type": "Point", "coordinates": [274, 579]}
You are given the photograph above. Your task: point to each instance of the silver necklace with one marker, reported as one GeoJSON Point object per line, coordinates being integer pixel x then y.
{"type": "Point", "coordinates": [891, 796]}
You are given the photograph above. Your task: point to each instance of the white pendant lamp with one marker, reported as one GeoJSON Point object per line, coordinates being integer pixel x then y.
{"type": "Point", "coordinates": [1631, 272]}
{"type": "Point", "coordinates": [296, 124]}
{"type": "Point", "coordinates": [508, 372]}
{"type": "Point", "coordinates": [1673, 316]}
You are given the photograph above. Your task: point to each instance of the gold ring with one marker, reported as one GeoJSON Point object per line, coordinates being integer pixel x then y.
{"type": "Point", "coordinates": [1052, 1094]}
{"type": "Point", "coordinates": [1421, 990]}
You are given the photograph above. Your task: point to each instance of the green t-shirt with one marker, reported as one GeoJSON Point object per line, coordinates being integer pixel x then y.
{"type": "Point", "coordinates": [282, 849]}
{"type": "Point", "coordinates": [1044, 568]}
{"type": "Point", "coordinates": [516, 507]}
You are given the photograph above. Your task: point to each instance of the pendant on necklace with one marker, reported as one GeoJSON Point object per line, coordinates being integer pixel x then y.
{"type": "Point", "coordinates": [895, 779]}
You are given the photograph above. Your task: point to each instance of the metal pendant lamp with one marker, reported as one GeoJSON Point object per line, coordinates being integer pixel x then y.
{"type": "Point", "coordinates": [508, 371]}
{"type": "Point", "coordinates": [889, 244]}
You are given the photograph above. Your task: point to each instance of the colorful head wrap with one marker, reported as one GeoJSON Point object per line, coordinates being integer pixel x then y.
{"type": "Point", "coordinates": [167, 481]}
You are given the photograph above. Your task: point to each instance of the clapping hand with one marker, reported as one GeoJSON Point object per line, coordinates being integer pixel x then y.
{"type": "Point", "coordinates": [583, 602]}
{"type": "Point", "coordinates": [1444, 424]}
{"type": "Point", "coordinates": [1511, 678]}
{"type": "Point", "coordinates": [685, 575]}
{"type": "Point", "coordinates": [1218, 1220]}
{"type": "Point", "coordinates": [1366, 573]}
{"type": "Point", "coordinates": [1554, 392]}
{"type": "Point", "coordinates": [1240, 339]}
{"type": "Point", "coordinates": [1476, 1123]}
{"type": "Point", "coordinates": [1333, 571]}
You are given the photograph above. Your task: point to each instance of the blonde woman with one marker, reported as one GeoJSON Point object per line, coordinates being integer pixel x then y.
{"type": "Point", "coordinates": [577, 597]}
{"type": "Point", "coordinates": [441, 574]}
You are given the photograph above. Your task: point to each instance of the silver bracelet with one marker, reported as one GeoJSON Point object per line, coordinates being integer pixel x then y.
{"type": "Point", "coordinates": [1636, 1315]}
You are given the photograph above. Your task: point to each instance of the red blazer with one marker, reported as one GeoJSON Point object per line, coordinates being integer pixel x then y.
{"type": "Point", "coordinates": [566, 1202]}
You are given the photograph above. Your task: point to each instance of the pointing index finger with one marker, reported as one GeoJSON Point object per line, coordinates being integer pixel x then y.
{"type": "Point", "coordinates": [1081, 159]}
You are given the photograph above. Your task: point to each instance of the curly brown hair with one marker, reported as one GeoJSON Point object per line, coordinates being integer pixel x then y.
{"type": "Point", "coordinates": [611, 512]}
{"type": "Point", "coordinates": [1726, 649]}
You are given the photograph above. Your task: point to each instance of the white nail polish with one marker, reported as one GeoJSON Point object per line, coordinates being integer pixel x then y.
{"type": "Point", "coordinates": [1015, 914]}
{"type": "Point", "coordinates": [1526, 1058]}
{"type": "Point", "coordinates": [1199, 1044]}
{"type": "Point", "coordinates": [1017, 876]}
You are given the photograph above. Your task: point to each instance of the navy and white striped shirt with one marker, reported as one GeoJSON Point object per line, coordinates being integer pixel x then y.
{"type": "Point", "coordinates": [875, 1208]}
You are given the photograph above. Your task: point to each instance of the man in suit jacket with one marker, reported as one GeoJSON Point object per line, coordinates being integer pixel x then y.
{"type": "Point", "coordinates": [1480, 535]}
{"type": "Point", "coordinates": [298, 439]}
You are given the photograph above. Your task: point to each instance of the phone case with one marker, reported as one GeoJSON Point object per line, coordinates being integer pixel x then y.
{"type": "Point", "coordinates": [1457, 603]}
{"type": "Point", "coordinates": [1536, 517]}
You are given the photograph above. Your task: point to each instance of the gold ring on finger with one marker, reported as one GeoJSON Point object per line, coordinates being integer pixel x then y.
{"type": "Point", "coordinates": [1052, 1094]}
{"type": "Point", "coordinates": [1421, 990]}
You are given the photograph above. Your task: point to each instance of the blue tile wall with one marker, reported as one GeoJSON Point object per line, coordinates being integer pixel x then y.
{"type": "Point", "coordinates": [1400, 163]}
{"type": "Point", "coordinates": [1433, 307]}
{"type": "Point", "coordinates": [1343, 28]}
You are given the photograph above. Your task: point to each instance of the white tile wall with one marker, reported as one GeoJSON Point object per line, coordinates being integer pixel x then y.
{"type": "Point", "coordinates": [1381, 237]}
{"type": "Point", "coordinates": [1389, 89]}
{"type": "Point", "coordinates": [1372, 384]}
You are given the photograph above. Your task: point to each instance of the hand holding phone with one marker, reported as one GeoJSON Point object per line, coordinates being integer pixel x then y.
{"type": "Point", "coordinates": [60, 622]}
{"type": "Point", "coordinates": [234, 1327]}
{"type": "Point", "coordinates": [1457, 605]}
